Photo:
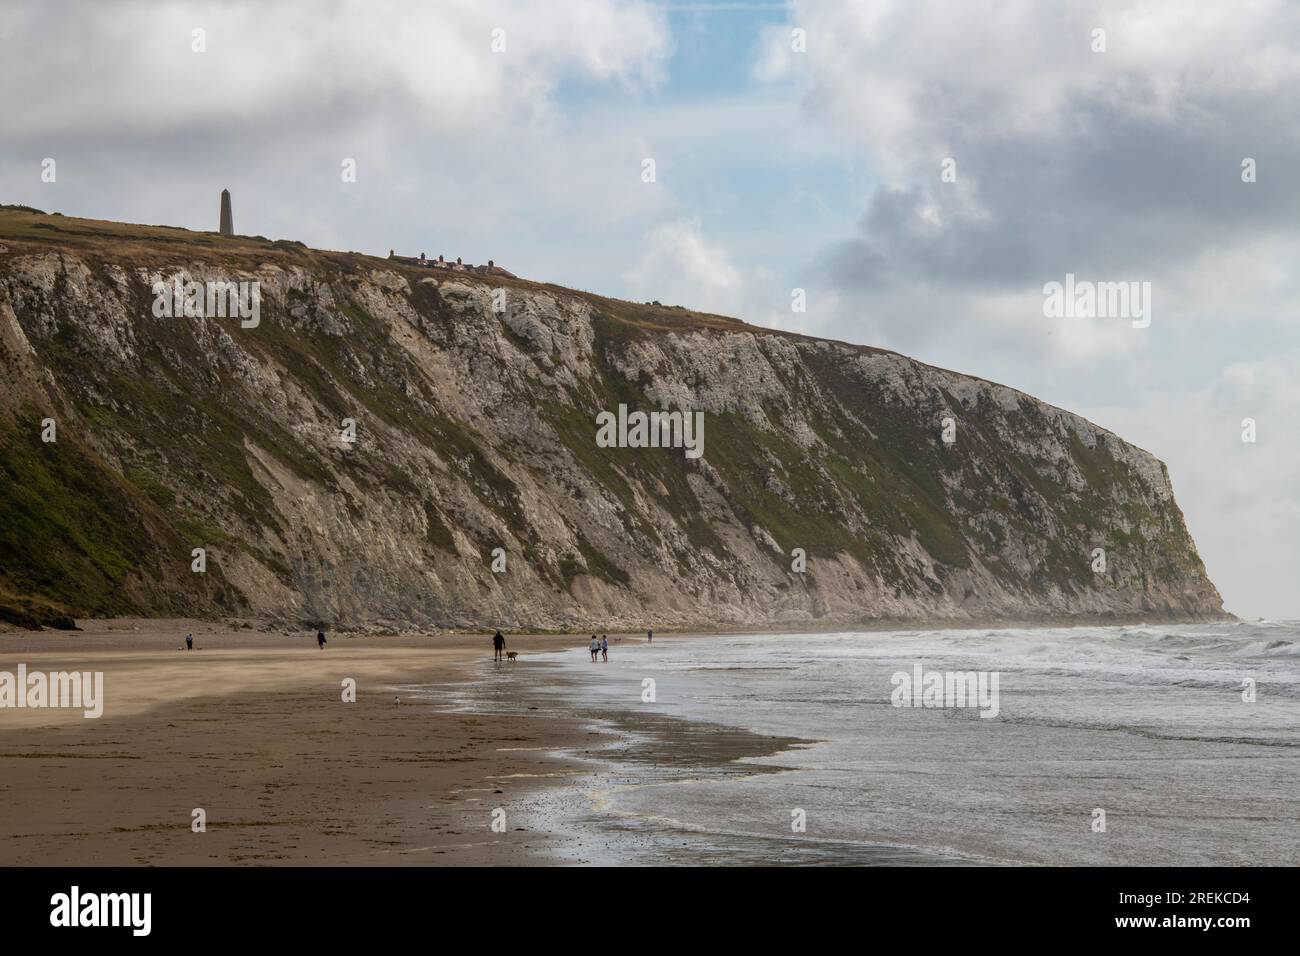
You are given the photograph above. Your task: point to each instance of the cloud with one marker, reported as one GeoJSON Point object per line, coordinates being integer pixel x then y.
{"type": "Point", "coordinates": [1116, 165]}
{"type": "Point", "coordinates": [132, 67]}
{"type": "Point", "coordinates": [678, 267]}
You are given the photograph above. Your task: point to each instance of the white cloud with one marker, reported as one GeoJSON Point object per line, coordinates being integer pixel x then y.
{"type": "Point", "coordinates": [903, 76]}
{"type": "Point", "coordinates": [131, 65]}
{"type": "Point", "coordinates": [678, 267]}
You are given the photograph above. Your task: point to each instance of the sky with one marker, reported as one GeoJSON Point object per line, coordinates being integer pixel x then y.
{"type": "Point", "coordinates": [921, 170]}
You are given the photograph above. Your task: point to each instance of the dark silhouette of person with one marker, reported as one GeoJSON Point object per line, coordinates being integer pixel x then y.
{"type": "Point", "coordinates": [498, 646]}
{"type": "Point", "coordinates": [189, 642]}
{"type": "Point", "coordinates": [320, 639]}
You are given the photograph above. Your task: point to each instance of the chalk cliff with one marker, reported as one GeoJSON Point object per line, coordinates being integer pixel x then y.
{"type": "Point", "coordinates": [475, 430]}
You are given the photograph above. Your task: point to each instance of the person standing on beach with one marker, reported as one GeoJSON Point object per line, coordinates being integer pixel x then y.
{"type": "Point", "coordinates": [650, 637]}
{"type": "Point", "coordinates": [189, 642]}
{"type": "Point", "coordinates": [498, 646]}
{"type": "Point", "coordinates": [604, 648]}
{"type": "Point", "coordinates": [320, 640]}
{"type": "Point", "coordinates": [595, 647]}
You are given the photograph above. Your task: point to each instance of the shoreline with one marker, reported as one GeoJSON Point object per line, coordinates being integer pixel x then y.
{"type": "Point", "coordinates": [280, 627]}
{"type": "Point", "coordinates": [251, 727]}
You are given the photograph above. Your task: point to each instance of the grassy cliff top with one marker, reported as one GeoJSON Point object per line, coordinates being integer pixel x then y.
{"type": "Point", "coordinates": [156, 245]}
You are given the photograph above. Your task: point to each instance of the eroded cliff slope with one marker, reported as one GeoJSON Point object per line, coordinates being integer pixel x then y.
{"type": "Point", "coordinates": [475, 430]}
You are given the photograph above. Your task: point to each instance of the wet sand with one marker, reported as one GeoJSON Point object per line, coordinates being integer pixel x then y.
{"type": "Point", "coordinates": [252, 729]}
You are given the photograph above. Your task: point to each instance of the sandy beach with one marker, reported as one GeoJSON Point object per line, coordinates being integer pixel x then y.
{"type": "Point", "coordinates": [575, 764]}
{"type": "Point", "coordinates": [251, 727]}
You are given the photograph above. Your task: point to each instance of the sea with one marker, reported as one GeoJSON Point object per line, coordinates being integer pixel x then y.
{"type": "Point", "coordinates": [1136, 745]}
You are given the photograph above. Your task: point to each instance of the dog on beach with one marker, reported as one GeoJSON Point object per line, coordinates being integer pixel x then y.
{"type": "Point", "coordinates": [512, 656]}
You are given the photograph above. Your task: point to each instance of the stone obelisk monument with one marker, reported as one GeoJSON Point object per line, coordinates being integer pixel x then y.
{"type": "Point", "coordinates": [227, 219]}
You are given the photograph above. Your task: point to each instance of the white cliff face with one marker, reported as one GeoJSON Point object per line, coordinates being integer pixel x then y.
{"type": "Point", "coordinates": [475, 404]}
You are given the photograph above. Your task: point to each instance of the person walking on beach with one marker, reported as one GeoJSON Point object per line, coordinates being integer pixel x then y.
{"type": "Point", "coordinates": [650, 637]}
{"type": "Point", "coordinates": [189, 642]}
{"type": "Point", "coordinates": [604, 648]}
{"type": "Point", "coordinates": [498, 646]}
{"type": "Point", "coordinates": [595, 648]}
{"type": "Point", "coordinates": [320, 640]}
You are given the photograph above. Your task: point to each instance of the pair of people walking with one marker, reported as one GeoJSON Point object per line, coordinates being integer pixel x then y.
{"type": "Point", "coordinates": [599, 646]}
